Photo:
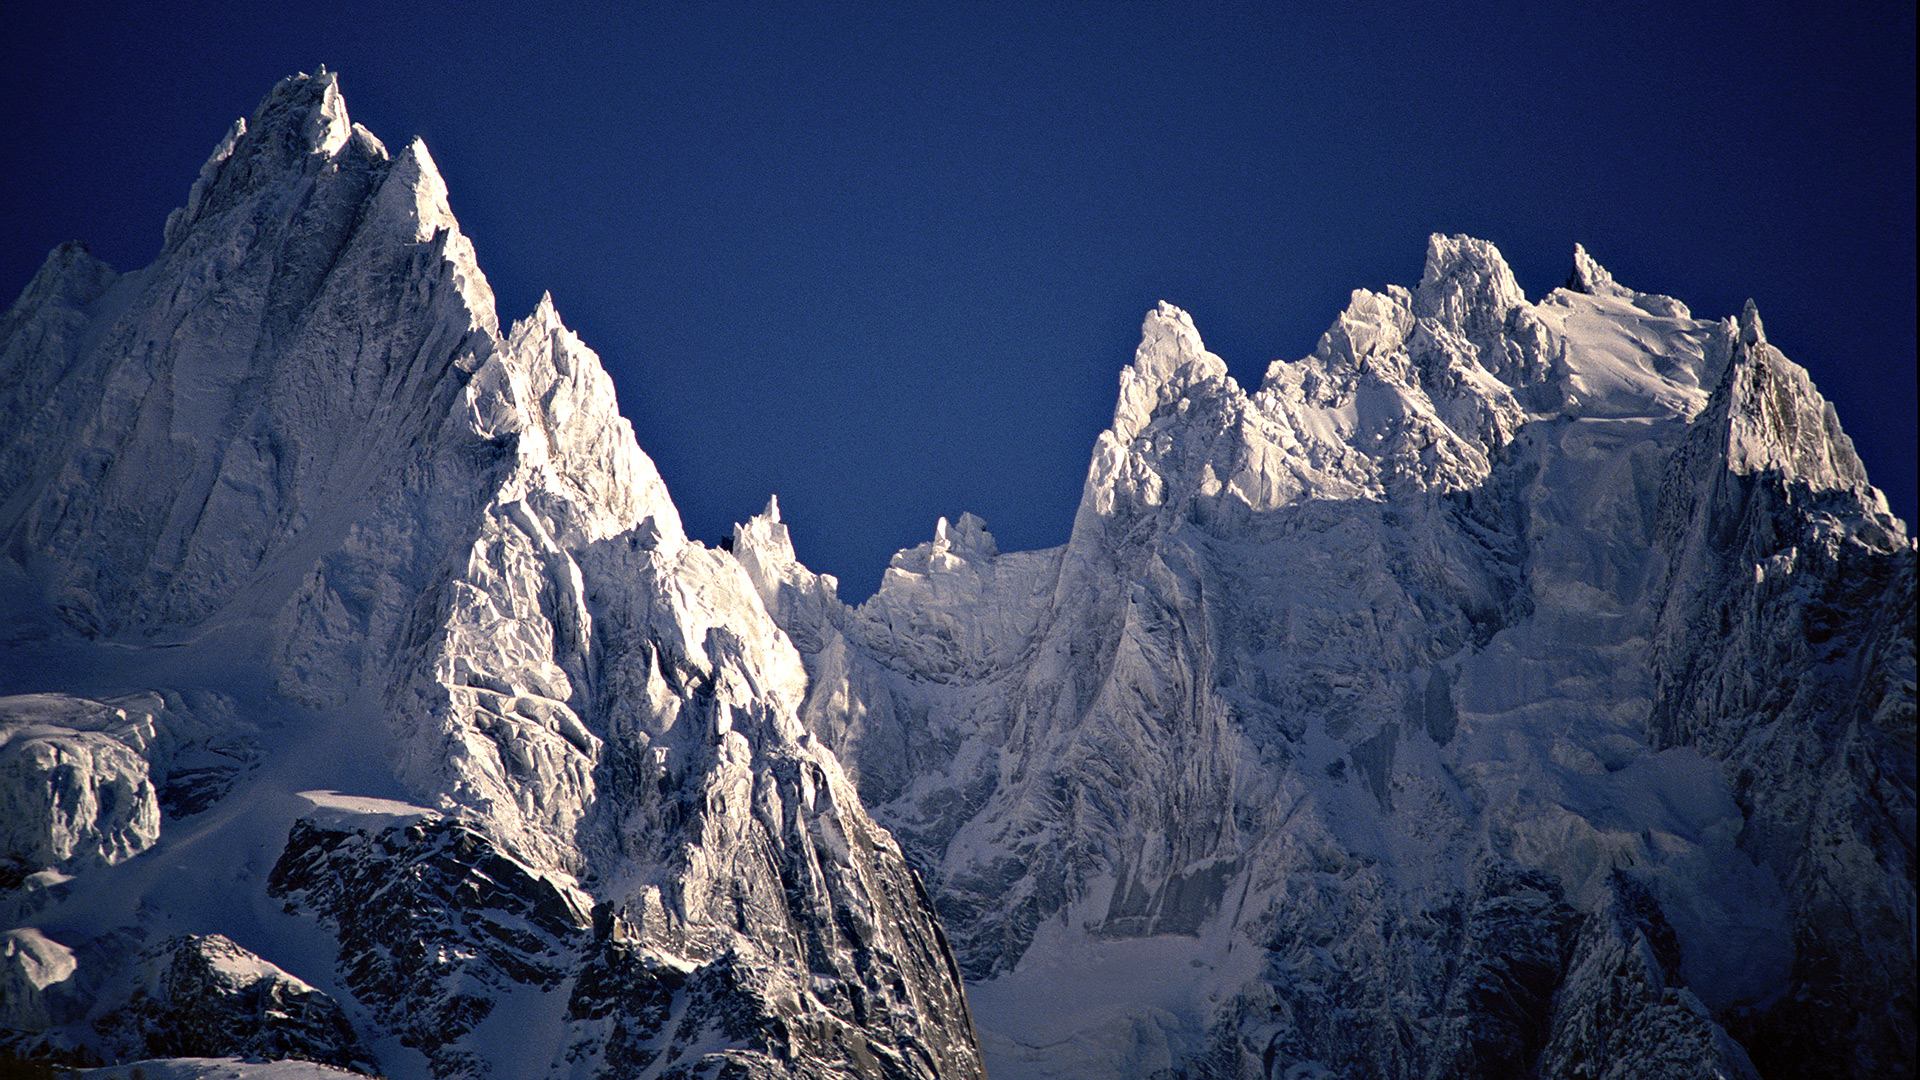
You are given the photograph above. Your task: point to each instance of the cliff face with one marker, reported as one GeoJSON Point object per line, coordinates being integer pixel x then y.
{"type": "Point", "coordinates": [1389, 714]}
{"type": "Point", "coordinates": [459, 726]}
{"type": "Point", "coordinates": [1785, 650]}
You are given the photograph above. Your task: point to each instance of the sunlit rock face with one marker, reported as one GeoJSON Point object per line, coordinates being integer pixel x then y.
{"type": "Point", "coordinates": [449, 726]}
{"type": "Point", "coordinates": [1505, 689]}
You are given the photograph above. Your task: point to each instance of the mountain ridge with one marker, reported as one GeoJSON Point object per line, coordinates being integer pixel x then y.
{"type": "Point", "coordinates": [450, 583]}
{"type": "Point", "coordinates": [1518, 527]}
{"type": "Point", "coordinates": [1506, 688]}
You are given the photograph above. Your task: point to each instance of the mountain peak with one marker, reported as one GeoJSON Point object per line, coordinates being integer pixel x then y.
{"type": "Point", "coordinates": [1170, 360]}
{"type": "Point", "coordinates": [1776, 421]}
{"type": "Point", "coordinates": [1752, 330]}
{"type": "Point", "coordinates": [1591, 278]}
{"type": "Point", "coordinates": [302, 114]}
{"type": "Point", "coordinates": [300, 125]}
{"type": "Point", "coordinates": [1466, 281]}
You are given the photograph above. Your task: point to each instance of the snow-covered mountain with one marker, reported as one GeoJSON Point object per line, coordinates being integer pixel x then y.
{"type": "Point", "coordinates": [1507, 689]}
{"type": "Point", "coordinates": [370, 705]}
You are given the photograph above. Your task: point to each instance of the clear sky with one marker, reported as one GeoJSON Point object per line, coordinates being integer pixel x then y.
{"type": "Point", "coordinates": [887, 260]}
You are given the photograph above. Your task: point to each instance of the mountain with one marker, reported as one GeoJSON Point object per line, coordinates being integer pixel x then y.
{"type": "Point", "coordinates": [1507, 689]}
{"type": "Point", "coordinates": [369, 704]}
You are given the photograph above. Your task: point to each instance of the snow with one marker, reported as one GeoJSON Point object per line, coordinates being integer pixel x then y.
{"type": "Point", "coordinates": [215, 1069]}
{"type": "Point", "coordinates": [1074, 1000]}
{"type": "Point", "coordinates": [1273, 637]}
{"type": "Point", "coordinates": [1334, 683]}
{"type": "Point", "coordinates": [1622, 360]}
{"type": "Point", "coordinates": [331, 808]}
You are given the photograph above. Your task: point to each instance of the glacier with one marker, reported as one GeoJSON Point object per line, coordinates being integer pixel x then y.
{"type": "Point", "coordinates": [1509, 688]}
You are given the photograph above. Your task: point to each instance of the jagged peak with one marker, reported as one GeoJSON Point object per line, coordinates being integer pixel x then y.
{"type": "Point", "coordinates": [71, 272]}
{"type": "Point", "coordinates": [1591, 278]}
{"type": "Point", "coordinates": [308, 107]}
{"type": "Point", "coordinates": [1775, 420]}
{"type": "Point", "coordinates": [1466, 282]}
{"type": "Point", "coordinates": [1170, 360]}
{"type": "Point", "coordinates": [1752, 330]}
{"type": "Point", "coordinates": [540, 324]}
{"type": "Point", "coordinates": [375, 149]}
{"type": "Point", "coordinates": [967, 536]}
{"type": "Point", "coordinates": [416, 180]}
{"type": "Point", "coordinates": [302, 121]}
{"type": "Point", "coordinates": [955, 545]}
{"type": "Point", "coordinates": [762, 545]}
{"type": "Point", "coordinates": [1374, 324]}
{"type": "Point", "coordinates": [412, 202]}
{"type": "Point", "coordinates": [544, 333]}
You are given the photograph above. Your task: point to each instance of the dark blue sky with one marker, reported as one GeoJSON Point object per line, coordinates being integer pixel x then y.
{"type": "Point", "coordinates": [887, 259]}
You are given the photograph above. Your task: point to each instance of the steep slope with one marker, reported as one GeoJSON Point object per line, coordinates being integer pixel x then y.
{"type": "Point", "coordinates": [1785, 648]}
{"type": "Point", "coordinates": [1379, 722]}
{"type": "Point", "coordinates": [464, 738]}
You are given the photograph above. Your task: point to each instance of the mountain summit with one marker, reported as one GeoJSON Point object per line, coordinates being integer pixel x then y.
{"type": "Point", "coordinates": [371, 667]}
{"type": "Point", "coordinates": [1505, 689]}
{"type": "Point", "coordinates": [1509, 688]}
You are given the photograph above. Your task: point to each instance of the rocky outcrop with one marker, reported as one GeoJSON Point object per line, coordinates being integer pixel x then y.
{"type": "Point", "coordinates": [435, 924]}
{"type": "Point", "coordinates": [201, 995]}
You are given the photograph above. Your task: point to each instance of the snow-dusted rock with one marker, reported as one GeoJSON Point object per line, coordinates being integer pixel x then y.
{"type": "Point", "coordinates": [296, 466]}
{"type": "Point", "coordinates": [1785, 648]}
{"type": "Point", "coordinates": [1350, 697]}
{"type": "Point", "coordinates": [435, 924]}
{"type": "Point", "coordinates": [201, 995]}
{"type": "Point", "coordinates": [75, 788]}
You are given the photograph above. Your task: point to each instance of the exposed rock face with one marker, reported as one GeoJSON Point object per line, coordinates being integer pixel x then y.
{"type": "Point", "coordinates": [494, 687]}
{"type": "Point", "coordinates": [1586, 594]}
{"type": "Point", "coordinates": [434, 924]}
{"type": "Point", "coordinates": [1623, 1012]}
{"type": "Point", "coordinates": [204, 996]}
